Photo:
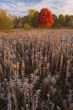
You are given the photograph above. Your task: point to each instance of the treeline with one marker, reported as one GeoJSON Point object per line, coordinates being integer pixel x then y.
{"type": "Point", "coordinates": [63, 21]}
{"type": "Point", "coordinates": [35, 19]}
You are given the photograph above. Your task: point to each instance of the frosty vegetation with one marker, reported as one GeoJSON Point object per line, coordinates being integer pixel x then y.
{"type": "Point", "coordinates": [36, 70]}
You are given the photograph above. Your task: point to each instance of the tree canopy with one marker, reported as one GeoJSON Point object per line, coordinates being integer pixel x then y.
{"type": "Point", "coordinates": [45, 18]}
{"type": "Point", "coordinates": [5, 22]}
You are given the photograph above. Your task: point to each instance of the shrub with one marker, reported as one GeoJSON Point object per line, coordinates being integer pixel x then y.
{"type": "Point", "coordinates": [26, 26]}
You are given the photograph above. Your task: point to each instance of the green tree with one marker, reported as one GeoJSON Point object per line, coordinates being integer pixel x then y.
{"type": "Point", "coordinates": [56, 21]}
{"type": "Point", "coordinates": [31, 18]}
{"type": "Point", "coordinates": [31, 12]}
{"type": "Point", "coordinates": [62, 20]}
{"type": "Point", "coordinates": [35, 19]}
{"type": "Point", "coordinates": [69, 20]}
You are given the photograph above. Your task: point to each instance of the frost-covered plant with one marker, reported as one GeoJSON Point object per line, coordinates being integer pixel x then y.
{"type": "Point", "coordinates": [36, 71]}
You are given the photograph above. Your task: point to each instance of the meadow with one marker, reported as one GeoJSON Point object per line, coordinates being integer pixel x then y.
{"type": "Point", "coordinates": [36, 69]}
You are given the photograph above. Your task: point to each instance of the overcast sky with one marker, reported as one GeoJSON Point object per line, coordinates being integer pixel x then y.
{"type": "Point", "coordinates": [21, 7]}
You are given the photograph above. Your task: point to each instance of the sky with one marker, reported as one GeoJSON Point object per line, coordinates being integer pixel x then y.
{"type": "Point", "coordinates": [21, 7]}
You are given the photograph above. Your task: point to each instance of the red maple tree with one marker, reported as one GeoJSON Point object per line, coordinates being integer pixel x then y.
{"type": "Point", "coordinates": [45, 18]}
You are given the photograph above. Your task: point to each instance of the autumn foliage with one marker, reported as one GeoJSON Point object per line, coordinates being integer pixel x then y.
{"type": "Point", "coordinates": [5, 22]}
{"type": "Point", "coordinates": [45, 18]}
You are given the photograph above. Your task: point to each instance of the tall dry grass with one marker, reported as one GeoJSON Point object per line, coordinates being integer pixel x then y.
{"type": "Point", "coordinates": [36, 70]}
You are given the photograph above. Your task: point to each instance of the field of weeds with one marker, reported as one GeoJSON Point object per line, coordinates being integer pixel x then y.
{"type": "Point", "coordinates": [36, 70]}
